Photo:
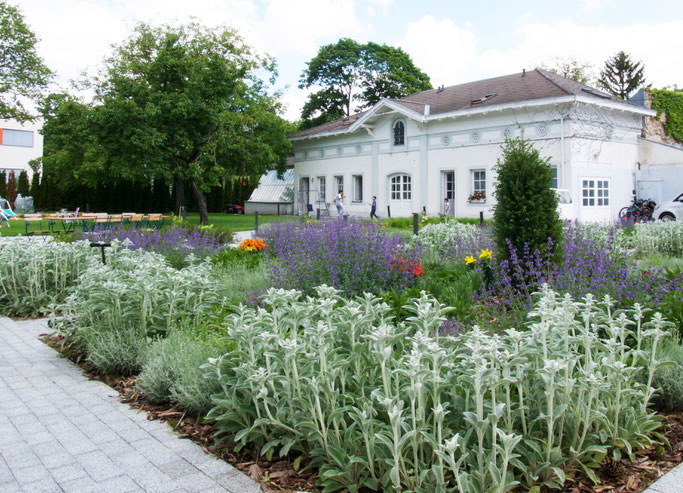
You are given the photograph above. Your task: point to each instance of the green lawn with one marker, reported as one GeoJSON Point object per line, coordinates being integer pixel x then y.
{"type": "Point", "coordinates": [16, 228]}
{"type": "Point", "coordinates": [238, 222]}
{"type": "Point", "coordinates": [234, 222]}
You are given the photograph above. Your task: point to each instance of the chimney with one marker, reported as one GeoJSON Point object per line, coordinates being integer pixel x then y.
{"type": "Point", "coordinates": [523, 72]}
{"type": "Point", "coordinates": [427, 109]}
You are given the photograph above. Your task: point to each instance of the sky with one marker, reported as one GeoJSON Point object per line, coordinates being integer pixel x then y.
{"type": "Point", "coordinates": [452, 41]}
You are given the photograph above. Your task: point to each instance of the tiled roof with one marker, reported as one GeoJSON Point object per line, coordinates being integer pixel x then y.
{"type": "Point", "coordinates": [523, 86]}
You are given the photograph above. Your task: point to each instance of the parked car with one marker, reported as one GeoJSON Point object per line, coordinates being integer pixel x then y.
{"type": "Point", "coordinates": [670, 211]}
{"type": "Point", "coordinates": [234, 209]}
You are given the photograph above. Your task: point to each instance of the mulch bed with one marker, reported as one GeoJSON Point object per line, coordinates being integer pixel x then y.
{"type": "Point", "coordinates": [617, 476]}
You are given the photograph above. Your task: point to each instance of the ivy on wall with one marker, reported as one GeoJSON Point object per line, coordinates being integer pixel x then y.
{"type": "Point", "coordinates": [670, 102]}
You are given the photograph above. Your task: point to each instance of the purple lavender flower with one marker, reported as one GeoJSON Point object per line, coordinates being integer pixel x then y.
{"type": "Point", "coordinates": [353, 256]}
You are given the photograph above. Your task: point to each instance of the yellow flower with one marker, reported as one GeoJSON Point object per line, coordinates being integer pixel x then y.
{"type": "Point", "coordinates": [485, 254]}
{"type": "Point", "coordinates": [470, 260]}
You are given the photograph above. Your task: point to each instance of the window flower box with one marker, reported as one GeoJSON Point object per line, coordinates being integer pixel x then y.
{"type": "Point", "coordinates": [477, 198]}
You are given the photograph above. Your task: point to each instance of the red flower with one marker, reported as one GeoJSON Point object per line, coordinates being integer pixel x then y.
{"type": "Point", "coordinates": [418, 271]}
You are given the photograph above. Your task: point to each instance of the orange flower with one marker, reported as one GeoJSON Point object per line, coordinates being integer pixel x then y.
{"type": "Point", "coordinates": [251, 245]}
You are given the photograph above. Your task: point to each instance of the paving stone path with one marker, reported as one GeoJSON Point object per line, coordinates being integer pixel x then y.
{"type": "Point", "coordinates": [60, 431]}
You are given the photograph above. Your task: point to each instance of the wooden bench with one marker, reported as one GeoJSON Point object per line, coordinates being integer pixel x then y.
{"type": "Point", "coordinates": [35, 219]}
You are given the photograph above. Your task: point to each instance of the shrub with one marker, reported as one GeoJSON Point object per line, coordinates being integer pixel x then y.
{"type": "Point", "coordinates": [452, 239]}
{"type": "Point", "coordinates": [384, 406]}
{"type": "Point", "coordinates": [353, 255]}
{"type": "Point", "coordinates": [526, 208]}
{"type": "Point", "coordinates": [137, 289]}
{"type": "Point", "coordinates": [34, 275]}
{"type": "Point", "coordinates": [669, 378]}
{"type": "Point", "coordinates": [664, 237]}
{"type": "Point", "coordinates": [229, 257]}
{"type": "Point", "coordinates": [171, 372]}
{"type": "Point", "coordinates": [115, 352]}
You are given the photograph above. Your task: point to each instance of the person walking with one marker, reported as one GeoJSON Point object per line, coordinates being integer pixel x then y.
{"type": "Point", "coordinates": [446, 206]}
{"type": "Point", "coordinates": [373, 208]}
{"type": "Point", "coordinates": [338, 202]}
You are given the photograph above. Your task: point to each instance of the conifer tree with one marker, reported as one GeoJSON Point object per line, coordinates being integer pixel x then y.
{"type": "Point", "coordinates": [11, 188]}
{"type": "Point", "coordinates": [35, 189]}
{"type": "Point", "coordinates": [622, 75]}
{"type": "Point", "coordinates": [3, 184]}
{"type": "Point", "coordinates": [526, 210]}
{"type": "Point", "coordinates": [22, 184]}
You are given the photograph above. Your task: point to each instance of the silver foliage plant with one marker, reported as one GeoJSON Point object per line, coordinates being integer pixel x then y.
{"type": "Point", "coordinates": [394, 407]}
{"type": "Point", "coordinates": [136, 291]}
{"type": "Point", "coordinates": [34, 274]}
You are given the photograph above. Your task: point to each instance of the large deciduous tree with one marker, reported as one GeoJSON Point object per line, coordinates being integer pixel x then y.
{"type": "Point", "coordinates": [348, 72]}
{"type": "Point", "coordinates": [622, 75]}
{"type": "Point", "coordinates": [186, 104]}
{"type": "Point", "coordinates": [23, 74]}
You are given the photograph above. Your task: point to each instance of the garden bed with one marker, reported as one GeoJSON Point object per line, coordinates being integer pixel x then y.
{"type": "Point", "coordinates": [281, 475]}
{"type": "Point", "coordinates": [410, 389]}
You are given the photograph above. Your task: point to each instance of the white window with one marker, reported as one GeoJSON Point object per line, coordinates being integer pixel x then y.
{"type": "Point", "coordinates": [339, 184]}
{"type": "Point", "coordinates": [401, 187]}
{"type": "Point", "coordinates": [595, 192]}
{"type": "Point", "coordinates": [399, 133]}
{"type": "Point", "coordinates": [19, 138]}
{"type": "Point", "coordinates": [448, 180]}
{"type": "Point", "coordinates": [478, 185]}
{"type": "Point", "coordinates": [322, 187]}
{"type": "Point", "coordinates": [554, 185]}
{"type": "Point", "coordinates": [357, 188]}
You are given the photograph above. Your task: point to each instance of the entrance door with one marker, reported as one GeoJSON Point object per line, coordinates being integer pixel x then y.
{"type": "Point", "coordinates": [447, 191]}
{"type": "Point", "coordinates": [304, 193]}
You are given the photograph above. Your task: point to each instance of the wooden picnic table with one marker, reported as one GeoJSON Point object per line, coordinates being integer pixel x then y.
{"type": "Point", "coordinates": [69, 221]}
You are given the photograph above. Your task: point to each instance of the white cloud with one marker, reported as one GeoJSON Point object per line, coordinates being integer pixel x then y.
{"type": "Point", "coordinates": [450, 55]}
{"type": "Point", "coordinates": [440, 48]}
{"type": "Point", "coordinates": [593, 5]}
{"type": "Point", "coordinates": [301, 26]}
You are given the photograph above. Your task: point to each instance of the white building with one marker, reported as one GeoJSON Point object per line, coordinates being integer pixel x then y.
{"type": "Point", "coordinates": [443, 143]}
{"type": "Point", "coordinates": [19, 144]}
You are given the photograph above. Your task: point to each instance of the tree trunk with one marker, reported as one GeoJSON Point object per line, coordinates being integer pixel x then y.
{"type": "Point", "coordinates": [179, 193]}
{"type": "Point", "coordinates": [201, 202]}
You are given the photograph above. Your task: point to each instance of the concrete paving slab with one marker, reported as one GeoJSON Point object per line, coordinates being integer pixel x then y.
{"type": "Point", "coordinates": [61, 432]}
{"type": "Point", "coordinates": [671, 482]}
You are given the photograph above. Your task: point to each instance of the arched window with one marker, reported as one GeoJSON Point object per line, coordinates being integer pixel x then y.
{"type": "Point", "coordinates": [399, 133]}
{"type": "Point", "coordinates": [401, 187]}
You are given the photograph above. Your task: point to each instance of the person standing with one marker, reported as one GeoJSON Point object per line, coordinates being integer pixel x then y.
{"type": "Point", "coordinates": [338, 202]}
{"type": "Point", "coordinates": [373, 207]}
{"type": "Point", "coordinates": [446, 206]}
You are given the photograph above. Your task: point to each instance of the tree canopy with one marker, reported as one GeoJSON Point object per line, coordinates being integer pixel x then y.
{"type": "Point", "coordinates": [622, 75]}
{"type": "Point", "coordinates": [22, 72]}
{"type": "Point", "coordinates": [181, 103]}
{"type": "Point", "coordinates": [573, 69]}
{"type": "Point", "coordinates": [348, 72]}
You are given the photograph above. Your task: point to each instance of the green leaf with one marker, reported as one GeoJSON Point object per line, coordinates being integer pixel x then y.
{"type": "Point", "coordinates": [560, 475]}
{"type": "Point", "coordinates": [591, 474]}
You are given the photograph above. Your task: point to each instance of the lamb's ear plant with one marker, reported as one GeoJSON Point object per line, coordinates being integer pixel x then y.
{"type": "Point", "coordinates": [136, 295]}
{"type": "Point", "coordinates": [383, 406]}
{"type": "Point", "coordinates": [34, 274]}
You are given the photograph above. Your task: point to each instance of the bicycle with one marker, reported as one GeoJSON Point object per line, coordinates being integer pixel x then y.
{"type": "Point", "coordinates": [639, 211]}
